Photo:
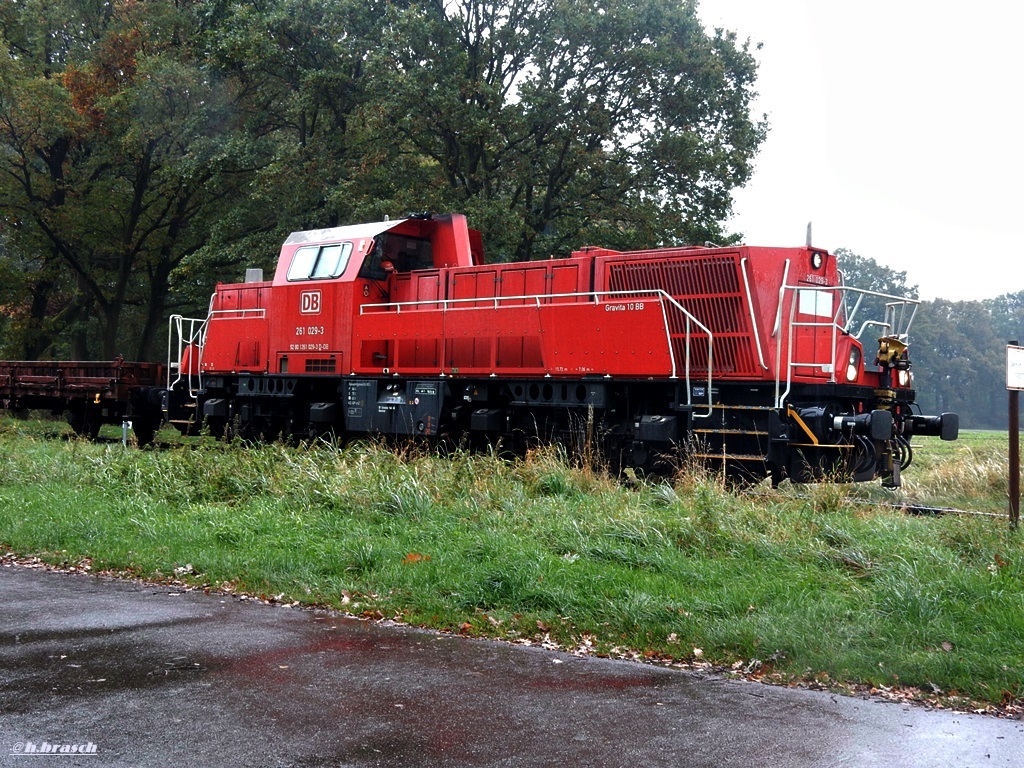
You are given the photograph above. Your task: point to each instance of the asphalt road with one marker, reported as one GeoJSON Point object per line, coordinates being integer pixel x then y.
{"type": "Point", "coordinates": [142, 675]}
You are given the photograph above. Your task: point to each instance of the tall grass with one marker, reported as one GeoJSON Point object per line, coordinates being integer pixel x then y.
{"type": "Point", "coordinates": [971, 473]}
{"type": "Point", "coordinates": [538, 549]}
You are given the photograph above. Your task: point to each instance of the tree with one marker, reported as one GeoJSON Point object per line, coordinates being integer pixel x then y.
{"type": "Point", "coordinates": [119, 148]}
{"type": "Point", "coordinates": [1008, 316]}
{"type": "Point", "coordinates": [553, 123]}
{"type": "Point", "coordinates": [958, 362]}
{"type": "Point", "coordinates": [35, 123]}
{"type": "Point", "coordinates": [296, 72]}
{"type": "Point", "coordinates": [147, 149]}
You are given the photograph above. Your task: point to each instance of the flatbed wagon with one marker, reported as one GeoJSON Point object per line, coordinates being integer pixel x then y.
{"type": "Point", "coordinates": [91, 393]}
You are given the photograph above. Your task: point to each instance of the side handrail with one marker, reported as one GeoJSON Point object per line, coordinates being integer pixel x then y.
{"type": "Point", "coordinates": [900, 328]}
{"type": "Point", "coordinates": [753, 319]}
{"type": "Point", "coordinates": [182, 333]}
{"type": "Point", "coordinates": [249, 313]}
{"type": "Point", "coordinates": [504, 302]}
{"type": "Point", "coordinates": [869, 323]}
{"type": "Point", "coordinates": [897, 324]}
{"type": "Point", "coordinates": [707, 332]}
{"type": "Point", "coordinates": [536, 298]}
{"type": "Point", "coordinates": [778, 314]}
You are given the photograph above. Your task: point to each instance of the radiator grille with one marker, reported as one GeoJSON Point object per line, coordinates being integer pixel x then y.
{"type": "Point", "coordinates": [711, 289]}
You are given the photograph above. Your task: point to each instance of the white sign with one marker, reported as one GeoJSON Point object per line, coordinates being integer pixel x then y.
{"type": "Point", "coordinates": [1014, 367]}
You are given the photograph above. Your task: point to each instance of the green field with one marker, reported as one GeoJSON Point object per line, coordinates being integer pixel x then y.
{"type": "Point", "coordinates": [798, 584]}
{"type": "Point", "coordinates": [971, 473]}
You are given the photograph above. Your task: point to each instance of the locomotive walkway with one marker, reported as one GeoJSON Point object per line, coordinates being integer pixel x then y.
{"type": "Point", "coordinates": [140, 675]}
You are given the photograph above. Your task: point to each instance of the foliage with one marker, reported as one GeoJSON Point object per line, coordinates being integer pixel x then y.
{"type": "Point", "coordinates": [152, 148]}
{"type": "Point", "coordinates": [119, 150]}
{"type": "Point", "coordinates": [554, 122]}
{"type": "Point", "coordinates": [960, 357]}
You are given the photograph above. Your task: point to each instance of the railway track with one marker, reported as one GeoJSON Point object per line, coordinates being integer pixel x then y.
{"type": "Point", "coordinates": [908, 507]}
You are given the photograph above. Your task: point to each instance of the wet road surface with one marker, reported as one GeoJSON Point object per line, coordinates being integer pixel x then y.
{"type": "Point", "coordinates": [151, 677]}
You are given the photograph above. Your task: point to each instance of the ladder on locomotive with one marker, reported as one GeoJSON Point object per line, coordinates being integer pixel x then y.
{"type": "Point", "coordinates": [735, 433]}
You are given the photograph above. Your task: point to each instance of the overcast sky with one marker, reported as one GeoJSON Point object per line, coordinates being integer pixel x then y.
{"type": "Point", "coordinates": [897, 128]}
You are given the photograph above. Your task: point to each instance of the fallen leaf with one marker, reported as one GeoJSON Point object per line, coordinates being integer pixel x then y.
{"type": "Point", "coordinates": [415, 557]}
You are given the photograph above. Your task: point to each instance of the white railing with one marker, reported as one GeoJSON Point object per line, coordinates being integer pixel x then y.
{"type": "Point", "coordinates": [537, 300]}
{"type": "Point", "coordinates": [753, 320]}
{"type": "Point", "coordinates": [899, 315]}
{"type": "Point", "coordinates": [185, 333]}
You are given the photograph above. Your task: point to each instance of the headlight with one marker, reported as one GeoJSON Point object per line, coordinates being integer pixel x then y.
{"type": "Point", "coordinates": [853, 366]}
{"type": "Point", "coordinates": [903, 377]}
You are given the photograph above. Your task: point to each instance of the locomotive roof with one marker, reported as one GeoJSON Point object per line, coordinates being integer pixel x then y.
{"type": "Point", "coordinates": [349, 232]}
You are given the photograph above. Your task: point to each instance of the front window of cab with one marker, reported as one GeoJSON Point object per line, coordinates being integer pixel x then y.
{"type": "Point", "coordinates": [319, 262]}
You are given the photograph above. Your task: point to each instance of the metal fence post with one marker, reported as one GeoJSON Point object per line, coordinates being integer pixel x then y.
{"type": "Point", "coordinates": [1014, 398]}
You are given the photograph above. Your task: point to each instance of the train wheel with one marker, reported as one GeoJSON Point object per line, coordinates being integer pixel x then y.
{"type": "Point", "coordinates": [215, 427]}
{"type": "Point", "coordinates": [145, 431]}
{"type": "Point", "coordinates": [84, 422]}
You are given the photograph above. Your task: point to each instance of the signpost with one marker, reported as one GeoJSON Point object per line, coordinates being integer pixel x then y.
{"type": "Point", "coordinates": [1014, 384]}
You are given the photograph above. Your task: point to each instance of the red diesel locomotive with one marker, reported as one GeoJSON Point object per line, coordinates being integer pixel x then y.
{"type": "Point", "coordinates": [748, 358]}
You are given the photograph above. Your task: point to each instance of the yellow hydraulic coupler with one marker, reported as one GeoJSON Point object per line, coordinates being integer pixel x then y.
{"type": "Point", "coordinates": [890, 351]}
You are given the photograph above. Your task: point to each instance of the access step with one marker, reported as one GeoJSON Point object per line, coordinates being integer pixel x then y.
{"type": "Point", "coordinates": [730, 456]}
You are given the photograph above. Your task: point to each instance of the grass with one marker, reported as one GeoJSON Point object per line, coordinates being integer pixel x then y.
{"type": "Point", "coordinates": [814, 587]}
{"type": "Point", "coordinates": [971, 472]}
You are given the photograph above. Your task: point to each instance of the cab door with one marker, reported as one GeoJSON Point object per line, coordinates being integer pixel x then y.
{"type": "Point", "coordinates": [814, 331]}
{"type": "Point", "coordinates": [308, 336]}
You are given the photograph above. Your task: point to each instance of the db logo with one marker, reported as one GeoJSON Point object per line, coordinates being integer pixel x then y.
{"type": "Point", "coordinates": [309, 302]}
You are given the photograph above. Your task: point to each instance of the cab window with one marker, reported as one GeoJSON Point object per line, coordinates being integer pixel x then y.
{"type": "Point", "coordinates": [816, 303]}
{"type": "Point", "coordinates": [404, 252]}
{"type": "Point", "coordinates": [319, 262]}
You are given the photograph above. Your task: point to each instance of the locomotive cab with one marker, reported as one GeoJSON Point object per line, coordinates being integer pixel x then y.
{"type": "Point", "coordinates": [324, 277]}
